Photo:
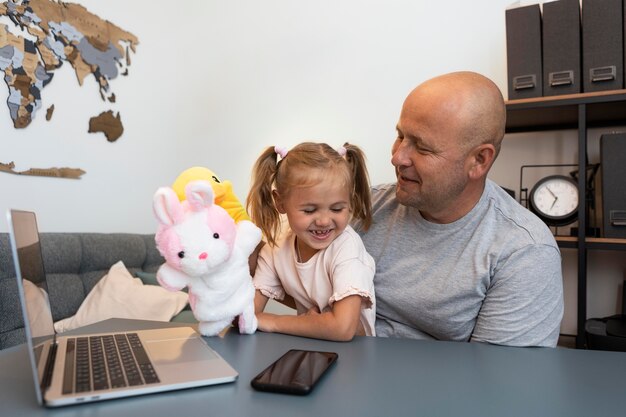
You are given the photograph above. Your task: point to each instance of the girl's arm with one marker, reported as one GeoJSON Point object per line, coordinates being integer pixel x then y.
{"type": "Point", "coordinates": [260, 301]}
{"type": "Point", "coordinates": [340, 324]}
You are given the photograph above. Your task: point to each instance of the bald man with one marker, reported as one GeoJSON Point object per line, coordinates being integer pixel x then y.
{"type": "Point", "coordinates": [456, 257]}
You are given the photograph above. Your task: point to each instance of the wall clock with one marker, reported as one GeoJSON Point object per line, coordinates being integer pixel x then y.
{"type": "Point", "coordinates": [554, 199]}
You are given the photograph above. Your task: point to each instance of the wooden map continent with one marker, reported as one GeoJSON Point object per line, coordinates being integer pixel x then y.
{"type": "Point", "coordinates": [72, 173]}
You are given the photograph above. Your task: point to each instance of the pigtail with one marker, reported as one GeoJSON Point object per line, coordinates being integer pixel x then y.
{"type": "Point", "coordinates": [361, 199]}
{"type": "Point", "coordinates": [260, 201]}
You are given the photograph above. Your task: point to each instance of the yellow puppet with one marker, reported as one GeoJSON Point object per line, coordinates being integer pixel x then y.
{"type": "Point", "coordinates": [224, 195]}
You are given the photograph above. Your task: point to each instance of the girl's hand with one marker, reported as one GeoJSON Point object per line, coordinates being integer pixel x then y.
{"type": "Point", "coordinates": [265, 322]}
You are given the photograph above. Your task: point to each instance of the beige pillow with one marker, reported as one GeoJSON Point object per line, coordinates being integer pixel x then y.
{"type": "Point", "coordinates": [119, 295]}
{"type": "Point", "coordinates": [38, 307]}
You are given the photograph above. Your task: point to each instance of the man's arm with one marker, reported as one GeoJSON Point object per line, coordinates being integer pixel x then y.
{"type": "Point", "coordinates": [524, 304]}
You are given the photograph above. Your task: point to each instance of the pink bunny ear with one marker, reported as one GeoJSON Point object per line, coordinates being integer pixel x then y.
{"type": "Point", "coordinates": [167, 209]}
{"type": "Point", "coordinates": [199, 195]}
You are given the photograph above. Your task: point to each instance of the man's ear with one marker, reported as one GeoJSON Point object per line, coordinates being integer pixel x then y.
{"type": "Point", "coordinates": [480, 160]}
{"type": "Point", "coordinates": [278, 202]}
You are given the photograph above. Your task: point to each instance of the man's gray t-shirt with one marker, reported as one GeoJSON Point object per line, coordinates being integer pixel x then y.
{"type": "Point", "coordinates": [492, 276]}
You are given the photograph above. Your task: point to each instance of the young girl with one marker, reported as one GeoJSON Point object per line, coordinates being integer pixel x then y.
{"type": "Point", "coordinates": [319, 260]}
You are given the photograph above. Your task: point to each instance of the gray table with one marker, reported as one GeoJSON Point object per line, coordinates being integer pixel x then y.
{"type": "Point", "coordinates": [372, 377]}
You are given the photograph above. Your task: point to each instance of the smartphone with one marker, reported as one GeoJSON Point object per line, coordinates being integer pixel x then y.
{"type": "Point", "coordinates": [296, 372]}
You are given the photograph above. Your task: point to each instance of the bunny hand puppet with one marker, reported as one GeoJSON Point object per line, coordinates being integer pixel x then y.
{"type": "Point", "coordinates": [207, 252]}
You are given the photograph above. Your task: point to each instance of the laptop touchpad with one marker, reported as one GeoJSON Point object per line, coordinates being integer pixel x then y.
{"type": "Point", "coordinates": [178, 350]}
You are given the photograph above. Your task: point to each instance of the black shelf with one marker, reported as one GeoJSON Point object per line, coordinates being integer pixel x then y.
{"type": "Point", "coordinates": [578, 112]}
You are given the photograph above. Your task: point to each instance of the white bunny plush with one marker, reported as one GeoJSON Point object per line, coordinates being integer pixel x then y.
{"type": "Point", "coordinates": [207, 252]}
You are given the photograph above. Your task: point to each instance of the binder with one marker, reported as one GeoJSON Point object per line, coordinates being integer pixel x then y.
{"type": "Point", "coordinates": [523, 46]}
{"type": "Point", "coordinates": [603, 46]}
{"type": "Point", "coordinates": [613, 166]}
{"type": "Point", "coordinates": [561, 48]}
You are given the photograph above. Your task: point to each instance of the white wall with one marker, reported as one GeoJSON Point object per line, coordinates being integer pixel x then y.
{"type": "Point", "coordinates": [214, 82]}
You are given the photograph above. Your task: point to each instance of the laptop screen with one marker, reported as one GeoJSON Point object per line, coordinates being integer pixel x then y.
{"type": "Point", "coordinates": [29, 267]}
{"type": "Point", "coordinates": [32, 290]}
{"type": "Point", "coordinates": [28, 247]}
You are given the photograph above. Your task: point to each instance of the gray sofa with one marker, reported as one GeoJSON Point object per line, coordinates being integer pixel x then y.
{"type": "Point", "coordinates": [74, 263]}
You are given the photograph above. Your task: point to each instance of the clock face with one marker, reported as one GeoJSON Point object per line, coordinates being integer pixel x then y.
{"type": "Point", "coordinates": [555, 200]}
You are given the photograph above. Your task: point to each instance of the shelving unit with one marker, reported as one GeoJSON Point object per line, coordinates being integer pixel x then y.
{"type": "Point", "coordinates": [578, 112]}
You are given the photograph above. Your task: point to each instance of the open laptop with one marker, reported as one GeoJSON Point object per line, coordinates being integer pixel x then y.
{"type": "Point", "coordinates": [117, 365]}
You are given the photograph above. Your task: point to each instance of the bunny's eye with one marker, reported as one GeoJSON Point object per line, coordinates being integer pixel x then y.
{"type": "Point", "coordinates": [216, 235]}
{"type": "Point", "coordinates": [215, 179]}
{"type": "Point", "coordinates": [181, 254]}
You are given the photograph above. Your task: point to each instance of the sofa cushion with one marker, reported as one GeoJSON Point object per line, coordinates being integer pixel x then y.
{"type": "Point", "coordinates": [38, 308]}
{"type": "Point", "coordinates": [75, 262]}
{"type": "Point", "coordinates": [119, 295]}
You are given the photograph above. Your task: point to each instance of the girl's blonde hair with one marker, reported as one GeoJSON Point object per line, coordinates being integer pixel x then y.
{"type": "Point", "coordinates": [303, 166]}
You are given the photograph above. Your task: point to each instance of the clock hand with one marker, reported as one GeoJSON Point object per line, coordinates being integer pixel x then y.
{"type": "Point", "coordinates": [554, 202]}
{"type": "Point", "coordinates": [550, 191]}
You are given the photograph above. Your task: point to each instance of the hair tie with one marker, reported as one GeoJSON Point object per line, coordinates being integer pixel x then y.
{"type": "Point", "coordinates": [281, 151]}
{"type": "Point", "coordinates": [341, 150]}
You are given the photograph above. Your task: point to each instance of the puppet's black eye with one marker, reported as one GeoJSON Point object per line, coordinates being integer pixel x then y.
{"type": "Point", "coordinates": [215, 179]}
{"type": "Point", "coordinates": [181, 254]}
{"type": "Point", "coordinates": [216, 235]}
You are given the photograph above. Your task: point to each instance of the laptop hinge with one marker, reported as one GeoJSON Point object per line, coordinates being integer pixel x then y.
{"type": "Point", "coordinates": [46, 379]}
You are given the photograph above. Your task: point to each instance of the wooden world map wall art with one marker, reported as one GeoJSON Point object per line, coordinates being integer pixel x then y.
{"type": "Point", "coordinates": [44, 34]}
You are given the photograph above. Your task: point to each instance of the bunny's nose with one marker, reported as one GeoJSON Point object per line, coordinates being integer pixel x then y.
{"type": "Point", "coordinates": [203, 256]}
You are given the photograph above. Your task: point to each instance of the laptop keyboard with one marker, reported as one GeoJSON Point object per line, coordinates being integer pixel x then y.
{"type": "Point", "coordinates": [102, 362]}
